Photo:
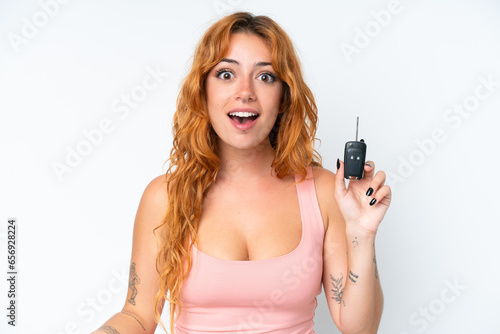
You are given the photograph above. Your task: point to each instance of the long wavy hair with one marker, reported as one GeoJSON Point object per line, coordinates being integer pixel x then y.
{"type": "Point", "coordinates": [194, 161]}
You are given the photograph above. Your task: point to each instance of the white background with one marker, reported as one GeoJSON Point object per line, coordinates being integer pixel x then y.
{"type": "Point", "coordinates": [63, 74]}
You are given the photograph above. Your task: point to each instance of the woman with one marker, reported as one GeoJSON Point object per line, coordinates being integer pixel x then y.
{"type": "Point", "coordinates": [247, 223]}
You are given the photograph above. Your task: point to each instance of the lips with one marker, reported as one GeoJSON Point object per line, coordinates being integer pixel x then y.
{"type": "Point", "coordinates": [243, 118]}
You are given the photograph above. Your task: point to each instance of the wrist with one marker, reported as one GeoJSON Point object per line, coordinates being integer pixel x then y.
{"type": "Point", "coordinates": [360, 248]}
{"type": "Point", "coordinates": [354, 230]}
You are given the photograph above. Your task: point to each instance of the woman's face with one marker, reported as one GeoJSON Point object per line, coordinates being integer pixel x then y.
{"type": "Point", "coordinates": [244, 93]}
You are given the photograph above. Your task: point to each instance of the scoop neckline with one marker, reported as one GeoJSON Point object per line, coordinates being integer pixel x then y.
{"type": "Point", "coordinates": [272, 258]}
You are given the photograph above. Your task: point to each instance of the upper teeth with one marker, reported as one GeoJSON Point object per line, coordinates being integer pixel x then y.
{"type": "Point", "coordinates": [242, 114]}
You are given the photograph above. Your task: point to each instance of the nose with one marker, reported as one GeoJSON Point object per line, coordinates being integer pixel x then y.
{"type": "Point", "coordinates": [245, 91]}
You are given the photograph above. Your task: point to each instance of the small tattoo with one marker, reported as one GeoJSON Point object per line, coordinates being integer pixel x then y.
{"type": "Point", "coordinates": [353, 277]}
{"type": "Point", "coordinates": [343, 302]}
{"type": "Point", "coordinates": [338, 288]}
{"type": "Point", "coordinates": [376, 269]}
{"type": "Point", "coordinates": [355, 242]}
{"type": "Point", "coordinates": [133, 316]}
{"type": "Point", "coordinates": [109, 329]}
{"type": "Point", "coordinates": [132, 281]}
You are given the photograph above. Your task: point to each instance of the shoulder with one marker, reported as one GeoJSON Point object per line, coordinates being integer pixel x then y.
{"type": "Point", "coordinates": [157, 188]}
{"type": "Point", "coordinates": [324, 182]}
{"type": "Point", "coordinates": [155, 196]}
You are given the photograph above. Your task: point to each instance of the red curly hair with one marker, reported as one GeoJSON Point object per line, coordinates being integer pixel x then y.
{"type": "Point", "coordinates": [194, 160]}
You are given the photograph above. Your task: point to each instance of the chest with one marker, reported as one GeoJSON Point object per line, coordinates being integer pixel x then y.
{"type": "Point", "coordinates": [239, 223]}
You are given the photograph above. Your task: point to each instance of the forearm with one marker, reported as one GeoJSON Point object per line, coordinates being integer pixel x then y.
{"type": "Point", "coordinates": [125, 323]}
{"type": "Point", "coordinates": [362, 299]}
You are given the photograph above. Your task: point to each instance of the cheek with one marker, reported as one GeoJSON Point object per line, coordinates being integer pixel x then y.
{"type": "Point", "coordinates": [216, 97]}
{"type": "Point", "coordinates": [210, 91]}
{"type": "Point", "coordinates": [274, 98]}
{"type": "Point", "coordinates": [212, 101]}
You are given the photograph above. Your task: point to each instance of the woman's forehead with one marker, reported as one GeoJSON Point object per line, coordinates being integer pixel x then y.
{"type": "Point", "coordinates": [246, 47]}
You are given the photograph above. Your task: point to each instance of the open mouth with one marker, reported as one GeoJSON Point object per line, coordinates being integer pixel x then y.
{"type": "Point", "coordinates": [243, 117]}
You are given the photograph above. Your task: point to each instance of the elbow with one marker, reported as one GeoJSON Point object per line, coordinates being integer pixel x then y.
{"type": "Point", "coordinates": [366, 329]}
{"type": "Point", "coordinates": [367, 324]}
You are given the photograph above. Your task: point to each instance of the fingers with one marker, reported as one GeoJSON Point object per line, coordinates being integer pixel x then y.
{"type": "Point", "coordinates": [369, 169]}
{"type": "Point", "coordinates": [378, 180]}
{"type": "Point", "coordinates": [340, 188]}
{"type": "Point", "coordinates": [382, 195]}
{"type": "Point", "coordinates": [375, 182]}
{"type": "Point", "coordinates": [377, 190]}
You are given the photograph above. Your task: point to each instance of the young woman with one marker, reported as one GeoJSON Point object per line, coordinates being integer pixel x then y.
{"type": "Point", "coordinates": [245, 226]}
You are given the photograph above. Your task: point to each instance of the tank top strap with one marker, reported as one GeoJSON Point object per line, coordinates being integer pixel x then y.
{"type": "Point", "coordinates": [309, 207]}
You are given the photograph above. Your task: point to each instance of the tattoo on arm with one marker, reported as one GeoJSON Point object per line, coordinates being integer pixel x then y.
{"type": "Point", "coordinates": [132, 281]}
{"type": "Point", "coordinates": [355, 242]}
{"type": "Point", "coordinates": [353, 277]}
{"type": "Point", "coordinates": [338, 288]}
{"type": "Point", "coordinates": [109, 329]}
{"type": "Point", "coordinates": [133, 316]}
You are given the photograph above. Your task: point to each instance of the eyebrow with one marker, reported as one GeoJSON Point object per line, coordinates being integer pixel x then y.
{"type": "Point", "coordinates": [232, 61]}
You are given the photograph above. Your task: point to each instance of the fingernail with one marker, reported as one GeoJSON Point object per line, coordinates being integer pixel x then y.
{"type": "Point", "coordinates": [338, 163]}
{"type": "Point", "coordinates": [369, 192]}
{"type": "Point", "coordinates": [373, 201]}
{"type": "Point", "coordinates": [368, 164]}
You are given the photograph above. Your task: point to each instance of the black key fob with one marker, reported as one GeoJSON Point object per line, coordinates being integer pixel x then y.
{"type": "Point", "coordinates": [354, 158]}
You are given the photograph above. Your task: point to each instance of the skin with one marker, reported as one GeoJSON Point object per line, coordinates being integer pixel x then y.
{"type": "Point", "coordinates": [350, 276]}
{"type": "Point", "coordinates": [270, 212]}
{"type": "Point", "coordinates": [227, 229]}
{"type": "Point", "coordinates": [247, 82]}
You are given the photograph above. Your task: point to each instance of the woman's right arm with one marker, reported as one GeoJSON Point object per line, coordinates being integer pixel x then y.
{"type": "Point", "coordinates": [137, 315]}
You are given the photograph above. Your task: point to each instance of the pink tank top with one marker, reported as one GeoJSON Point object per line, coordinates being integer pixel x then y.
{"type": "Point", "coordinates": [276, 295]}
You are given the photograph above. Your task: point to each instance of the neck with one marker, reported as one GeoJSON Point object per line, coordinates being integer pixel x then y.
{"type": "Point", "coordinates": [246, 165]}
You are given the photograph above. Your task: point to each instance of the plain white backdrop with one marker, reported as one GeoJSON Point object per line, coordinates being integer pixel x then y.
{"type": "Point", "coordinates": [87, 95]}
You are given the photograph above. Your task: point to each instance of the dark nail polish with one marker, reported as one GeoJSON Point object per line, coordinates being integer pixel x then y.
{"type": "Point", "coordinates": [338, 163]}
{"type": "Point", "coordinates": [369, 192]}
{"type": "Point", "coordinates": [368, 164]}
{"type": "Point", "coordinates": [373, 201]}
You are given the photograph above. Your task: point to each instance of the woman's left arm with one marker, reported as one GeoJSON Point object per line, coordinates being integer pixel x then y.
{"type": "Point", "coordinates": [350, 276]}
